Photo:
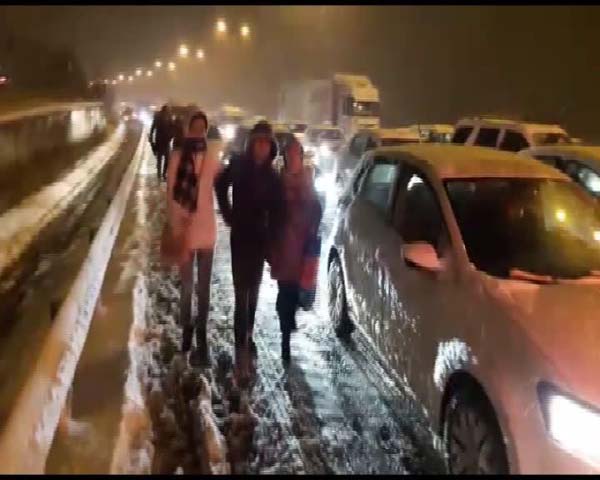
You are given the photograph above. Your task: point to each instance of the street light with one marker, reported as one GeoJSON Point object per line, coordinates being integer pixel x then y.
{"type": "Point", "coordinates": [171, 66]}
{"type": "Point", "coordinates": [245, 30]}
{"type": "Point", "coordinates": [183, 51]}
{"type": "Point", "coordinates": [138, 72]}
{"type": "Point", "coordinates": [149, 73]}
{"type": "Point", "coordinates": [158, 64]}
{"type": "Point", "coordinates": [200, 54]}
{"type": "Point", "coordinates": [221, 26]}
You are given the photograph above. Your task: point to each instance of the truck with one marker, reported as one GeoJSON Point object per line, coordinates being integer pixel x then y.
{"type": "Point", "coordinates": [347, 101]}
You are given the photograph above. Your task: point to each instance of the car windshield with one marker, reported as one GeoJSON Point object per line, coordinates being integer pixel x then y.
{"type": "Point", "coordinates": [547, 138]}
{"type": "Point", "coordinates": [541, 226]}
{"type": "Point", "coordinates": [365, 108]}
{"type": "Point", "coordinates": [392, 142]}
{"type": "Point", "coordinates": [330, 134]}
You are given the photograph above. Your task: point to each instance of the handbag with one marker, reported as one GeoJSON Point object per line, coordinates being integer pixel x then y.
{"type": "Point", "coordinates": [310, 269]}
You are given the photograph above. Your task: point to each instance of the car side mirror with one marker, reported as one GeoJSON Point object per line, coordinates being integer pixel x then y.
{"type": "Point", "coordinates": [421, 255]}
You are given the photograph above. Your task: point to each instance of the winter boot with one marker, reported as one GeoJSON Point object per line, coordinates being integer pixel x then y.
{"type": "Point", "coordinates": [252, 345]}
{"type": "Point", "coordinates": [186, 341]}
{"type": "Point", "coordinates": [285, 348]}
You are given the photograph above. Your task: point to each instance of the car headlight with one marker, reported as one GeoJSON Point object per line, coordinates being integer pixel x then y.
{"type": "Point", "coordinates": [574, 425]}
{"type": "Point", "coordinates": [324, 150]}
{"type": "Point", "coordinates": [228, 132]}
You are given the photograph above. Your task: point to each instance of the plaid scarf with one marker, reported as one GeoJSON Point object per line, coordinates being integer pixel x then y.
{"type": "Point", "coordinates": [185, 190]}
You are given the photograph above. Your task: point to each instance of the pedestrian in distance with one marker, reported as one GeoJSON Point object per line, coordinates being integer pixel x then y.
{"type": "Point", "coordinates": [254, 218]}
{"type": "Point", "coordinates": [160, 140]}
{"type": "Point", "coordinates": [300, 227]}
{"type": "Point", "coordinates": [192, 219]}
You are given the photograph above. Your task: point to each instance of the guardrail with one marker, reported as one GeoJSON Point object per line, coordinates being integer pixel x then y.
{"type": "Point", "coordinates": [27, 437]}
{"type": "Point", "coordinates": [46, 109]}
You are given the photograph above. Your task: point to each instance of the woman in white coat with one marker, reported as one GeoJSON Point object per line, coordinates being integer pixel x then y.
{"type": "Point", "coordinates": [191, 214]}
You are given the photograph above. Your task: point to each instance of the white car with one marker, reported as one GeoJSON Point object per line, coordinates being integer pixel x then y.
{"type": "Point", "coordinates": [581, 163]}
{"type": "Point", "coordinates": [370, 139]}
{"type": "Point", "coordinates": [508, 135]}
{"type": "Point", "coordinates": [475, 274]}
{"type": "Point", "coordinates": [435, 133]}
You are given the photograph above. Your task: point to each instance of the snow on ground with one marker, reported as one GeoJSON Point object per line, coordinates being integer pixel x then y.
{"type": "Point", "coordinates": [333, 411]}
{"type": "Point", "coordinates": [22, 224]}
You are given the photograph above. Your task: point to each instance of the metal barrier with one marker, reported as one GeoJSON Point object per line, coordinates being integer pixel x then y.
{"type": "Point", "coordinates": [29, 431]}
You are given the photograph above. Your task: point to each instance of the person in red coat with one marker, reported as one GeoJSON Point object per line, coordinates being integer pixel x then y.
{"type": "Point", "coordinates": [302, 216]}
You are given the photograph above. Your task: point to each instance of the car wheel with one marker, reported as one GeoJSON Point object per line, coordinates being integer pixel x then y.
{"type": "Point", "coordinates": [338, 307]}
{"type": "Point", "coordinates": [472, 437]}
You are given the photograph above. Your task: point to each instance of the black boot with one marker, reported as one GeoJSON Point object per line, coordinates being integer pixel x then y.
{"type": "Point", "coordinates": [253, 350]}
{"type": "Point", "coordinates": [200, 356]}
{"type": "Point", "coordinates": [186, 341]}
{"type": "Point", "coordinates": [285, 348]}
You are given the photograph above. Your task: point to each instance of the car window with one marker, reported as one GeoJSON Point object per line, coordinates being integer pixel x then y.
{"type": "Point", "coordinates": [487, 137]}
{"type": "Point", "coordinates": [584, 176]}
{"type": "Point", "coordinates": [371, 144]}
{"type": "Point", "coordinates": [513, 142]}
{"type": "Point", "coordinates": [356, 145]}
{"type": "Point", "coordinates": [360, 174]}
{"type": "Point", "coordinates": [418, 217]}
{"type": "Point", "coordinates": [378, 184]}
{"type": "Point", "coordinates": [461, 135]}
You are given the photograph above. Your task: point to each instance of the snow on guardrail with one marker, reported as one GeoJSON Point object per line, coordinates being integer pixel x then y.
{"type": "Point", "coordinates": [29, 432]}
{"type": "Point", "coordinates": [46, 109]}
{"type": "Point", "coordinates": [23, 223]}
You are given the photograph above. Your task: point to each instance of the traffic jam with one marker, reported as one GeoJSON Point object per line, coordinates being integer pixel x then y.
{"type": "Point", "coordinates": [195, 283]}
{"type": "Point", "coordinates": [445, 241]}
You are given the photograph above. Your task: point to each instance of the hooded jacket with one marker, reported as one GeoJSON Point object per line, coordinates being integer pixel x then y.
{"type": "Point", "coordinates": [256, 215]}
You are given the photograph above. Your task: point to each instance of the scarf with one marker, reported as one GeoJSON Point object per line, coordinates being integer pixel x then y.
{"type": "Point", "coordinates": [185, 190]}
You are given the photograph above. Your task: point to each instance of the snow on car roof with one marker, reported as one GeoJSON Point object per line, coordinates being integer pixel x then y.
{"type": "Point", "coordinates": [440, 127]}
{"type": "Point", "coordinates": [403, 133]}
{"type": "Point", "coordinates": [324, 127]}
{"type": "Point", "coordinates": [458, 161]}
{"type": "Point", "coordinates": [532, 127]}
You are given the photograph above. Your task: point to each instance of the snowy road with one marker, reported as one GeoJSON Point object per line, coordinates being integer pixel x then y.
{"type": "Point", "coordinates": [333, 411]}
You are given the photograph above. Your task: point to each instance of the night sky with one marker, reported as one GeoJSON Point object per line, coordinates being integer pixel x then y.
{"type": "Point", "coordinates": [431, 63]}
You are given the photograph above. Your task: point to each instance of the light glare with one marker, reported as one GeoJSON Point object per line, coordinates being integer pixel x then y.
{"type": "Point", "coordinates": [575, 427]}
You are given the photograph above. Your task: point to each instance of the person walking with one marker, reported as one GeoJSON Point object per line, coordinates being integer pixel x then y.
{"type": "Point", "coordinates": [303, 214]}
{"type": "Point", "coordinates": [160, 140]}
{"type": "Point", "coordinates": [190, 181]}
{"type": "Point", "coordinates": [254, 218]}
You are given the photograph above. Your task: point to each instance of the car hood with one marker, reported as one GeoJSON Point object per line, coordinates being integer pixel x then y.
{"type": "Point", "coordinates": [563, 323]}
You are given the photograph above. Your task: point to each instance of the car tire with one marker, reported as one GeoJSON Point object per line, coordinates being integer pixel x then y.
{"type": "Point", "coordinates": [473, 441]}
{"type": "Point", "coordinates": [337, 302]}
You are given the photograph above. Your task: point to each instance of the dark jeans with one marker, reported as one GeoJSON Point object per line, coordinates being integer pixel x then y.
{"type": "Point", "coordinates": [204, 261]}
{"type": "Point", "coordinates": [287, 306]}
{"type": "Point", "coordinates": [247, 262]}
{"type": "Point", "coordinates": [162, 160]}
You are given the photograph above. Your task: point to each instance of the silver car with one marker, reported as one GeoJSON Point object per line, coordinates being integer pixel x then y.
{"type": "Point", "coordinates": [475, 273]}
